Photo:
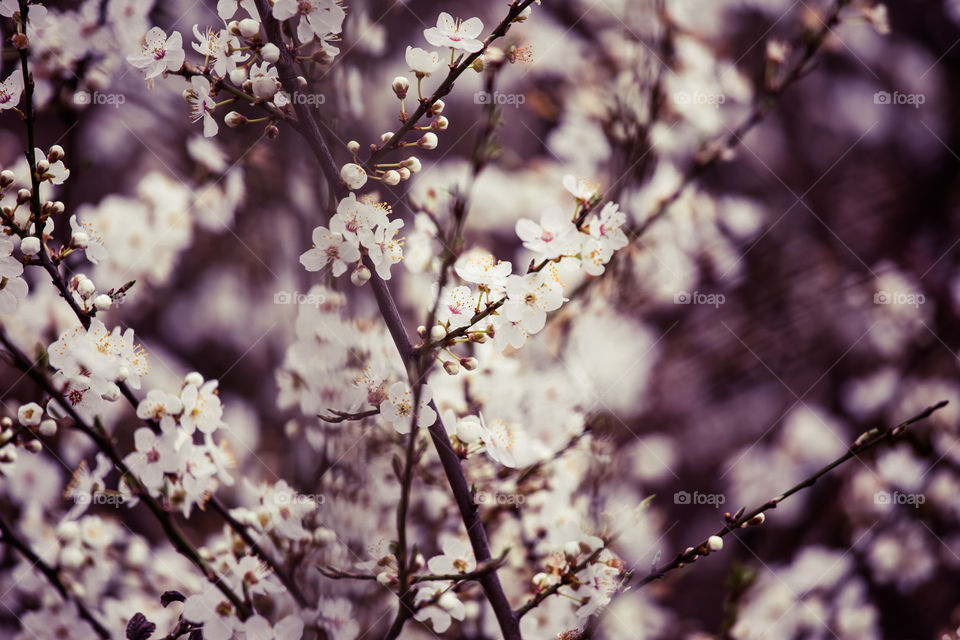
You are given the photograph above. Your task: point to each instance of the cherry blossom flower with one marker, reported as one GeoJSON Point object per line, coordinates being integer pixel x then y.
{"type": "Point", "coordinates": [608, 227]}
{"type": "Point", "coordinates": [397, 409]}
{"type": "Point", "coordinates": [457, 557]}
{"type": "Point", "coordinates": [201, 407]}
{"type": "Point", "coordinates": [530, 297]}
{"type": "Point", "coordinates": [161, 407]}
{"type": "Point", "coordinates": [202, 105]}
{"type": "Point", "coordinates": [383, 246]}
{"type": "Point", "coordinates": [264, 80]}
{"type": "Point", "coordinates": [212, 609]}
{"type": "Point", "coordinates": [226, 9]}
{"type": "Point", "coordinates": [580, 189]}
{"type": "Point", "coordinates": [154, 456]}
{"type": "Point", "coordinates": [336, 617]}
{"type": "Point", "coordinates": [480, 267]}
{"type": "Point", "coordinates": [354, 216]}
{"type": "Point", "coordinates": [57, 172]}
{"type": "Point", "coordinates": [13, 288]}
{"type": "Point", "coordinates": [158, 53]}
{"type": "Point", "coordinates": [422, 62]}
{"type": "Point", "coordinates": [455, 34]}
{"type": "Point", "coordinates": [501, 440]}
{"type": "Point", "coordinates": [10, 90]}
{"type": "Point", "coordinates": [318, 18]}
{"type": "Point", "coordinates": [448, 605]}
{"type": "Point", "coordinates": [457, 307]}
{"type": "Point", "coordinates": [556, 235]}
{"type": "Point", "coordinates": [85, 237]}
{"type": "Point", "coordinates": [219, 45]}
{"type": "Point", "coordinates": [329, 248]}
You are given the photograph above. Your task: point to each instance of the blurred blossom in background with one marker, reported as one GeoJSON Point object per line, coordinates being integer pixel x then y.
{"type": "Point", "coordinates": [792, 280]}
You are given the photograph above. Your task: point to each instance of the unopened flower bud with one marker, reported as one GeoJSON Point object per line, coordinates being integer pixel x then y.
{"type": "Point", "coordinates": [43, 166]}
{"type": "Point", "coordinates": [757, 520]}
{"type": "Point", "coordinates": [412, 163]}
{"type": "Point", "coordinates": [102, 302]}
{"type": "Point", "coordinates": [540, 579]}
{"type": "Point", "coordinates": [353, 147]}
{"type": "Point", "coordinates": [233, 27]}
{"type": "Point", "coordinates": [428, 141]}
{"type": "Point", "coordinates": [404, 173]}
{"type": "Point", "coordinates": [479, 338]}
{"type": "Point", "coordinates": [441, 123]}
{"type": "Point", "coordinates": [571, 549]}
{"type": "Point", "coordinates": [56, 207]}
{"type": "Point", "coordinates": [23, 196]}
{"type": "Point", "coordinates": [391, 178]}
{"type": "Point", "coordinates": [238, 75]}
{"type": "Point", "coordinates": [7, 177]}
{"type": "Point", "coordinates": [714, 543]}
{"type": "Point", "coordinates": [86, 288]}
{"type": "Point", "coordinates": [249, 27]}
{"type": "Point", "coordinates": [34, 446]}
{"type": "Point", "coordinates": [48, 428]}
{"type": "Point", "coordinates": [436, 108]}
{"type": "Point", "coordinates": [270, 52]}
{"type": "Point", "coordinates": [30, 414]}
{"type": "Point", "coordinates": [194, 378]}
{"type": "Point", "coordinates": [470, 364]}
{"type": "Point", "coordinates": [360, 276]}
{"type": "Point", "coordinates": [451, 367]}
{"type": "Point", "coordinates": [422, 331]}
{"type": "Point", "coordinates": [20, 41]}
{"type": "Point", "coordinates": [30, 246]}
{"type": "Point", "coordinates": [353, 175]}
{"type": "Point", "coordinates": [386, 137]}
{"type": "Point", "coordinates": [235, 119]}
{"type": "Point", "coordinates": [437, 332]}
{"type": "Point", "coordinates": [272, 131]}
{"type": "Point", "coordinates": [55, 153]}
{"type": "Point", "coordinates": [400, 86]}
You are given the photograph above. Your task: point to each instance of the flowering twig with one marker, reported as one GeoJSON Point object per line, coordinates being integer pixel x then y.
{"type": "Point", "coordinates": [449, 460]}
{"type": "Point", "coordinates": [864, 442]}
{"type": "Point", "coordinates": [516, 8]}
{"type": "Point", "coordinates": [11, 538]}
{"type": "Point", "coordinates": [31, 369]}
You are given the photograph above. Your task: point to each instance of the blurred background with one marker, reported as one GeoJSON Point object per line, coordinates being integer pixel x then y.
{"type": "Point", "coordinates": [803, 288]}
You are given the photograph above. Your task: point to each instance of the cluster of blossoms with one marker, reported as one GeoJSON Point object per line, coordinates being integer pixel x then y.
{"type": "Point", "coordinates": [239, 57]}
{"type": "Point", "coordinates": [357, 225]}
